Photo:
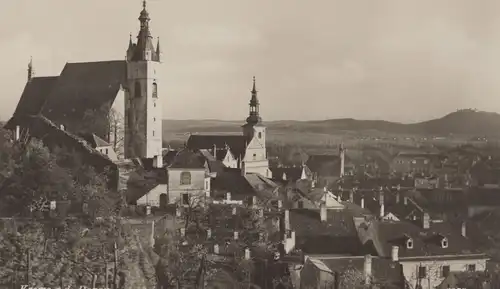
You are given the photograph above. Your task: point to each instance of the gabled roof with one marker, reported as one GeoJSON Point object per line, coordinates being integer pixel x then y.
{"type": "Point", "coordinates": [396, 233]}
{"type": "Point", "coordinates": [94, 140]}
{"type": "Point", "coordinates": [242, 187]}
{"type": "Point", "coordinates": [236, 142]}
{"type": "Point", "coordinates": [214, 165]}
{"type": "Point", "coordinates": [384, 271]}
{"type": "Point", "coordinates": [169, 157]}
{"type": "Point", "coordinates": [288, 174]}
{"type": "Point", "coordinates": [83, 86]}
{"type": "Point", "coordinates": [188, 159]}
{"type": "Point", "coordinates": [336, 235]}
{"type": "Point", "coordinates": [43, 129]}
{"type": "Point", "coordinates": [34, 95]}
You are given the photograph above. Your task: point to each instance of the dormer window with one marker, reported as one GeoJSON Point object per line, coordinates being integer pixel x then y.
{"type": "Point", "coordinates": [409, 243]}
{"type": "Point", "coordinates": [444, 242]}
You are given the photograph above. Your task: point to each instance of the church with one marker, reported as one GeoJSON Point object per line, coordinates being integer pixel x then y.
{"type": "Point", "coordinates": [117, 100]}
{"type": "Point", "coordinates": [116, 106]}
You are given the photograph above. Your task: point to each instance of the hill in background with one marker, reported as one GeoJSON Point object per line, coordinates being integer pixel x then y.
{"type": "Point", "coordinates": [465, 123]}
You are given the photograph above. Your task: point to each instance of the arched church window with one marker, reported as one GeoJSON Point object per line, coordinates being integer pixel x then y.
{"type": "Point", "coordinates": [155, 90]}
{"type": "Point", "coordinates": [137, 89]}
{"type": "Point", "coordinates": [185, 178]}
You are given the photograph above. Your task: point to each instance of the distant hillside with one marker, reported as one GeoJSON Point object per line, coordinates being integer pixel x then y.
{"type": "Point", "coordinates": [463, 122]}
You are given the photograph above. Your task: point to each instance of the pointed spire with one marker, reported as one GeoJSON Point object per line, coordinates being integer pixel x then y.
{"type": "Point", "coordinates": [254, 117]}
{"type": "Point", "coordinates": [158, 50]}
{"type": "Point", "coordinates": [30, 69]}
{"type": "Point", "coordinates": [144, 48]}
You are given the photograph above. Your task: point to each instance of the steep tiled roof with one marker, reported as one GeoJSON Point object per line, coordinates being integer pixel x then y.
{"type": "Point", "coordinates": [242, 187]}
{"type": "Point", "coordinates": [34, 96]}
{"type": "Point", "coordinates": [94, 140]}
{"type": "Point", "coordinates": [237, 143]}
{"type": "Point", "coordinates": [336, 235]}
{"type": "Point", "coordinates": [82, 86]}
{"type": "Point", "coordinates": [188, 159]}
{"type": "Point", "coordinates": [214, 165]}
{"type": "Point", "coordinates": [287, 173]}
{"type": "Point", "coordinates": [43, 129]}
{"type": "Point", "coordinates": [426, 242]}
{"type": "Point", "coordinates": [384, 271]}
{"type": "Point", "coordinates": [169, 157]}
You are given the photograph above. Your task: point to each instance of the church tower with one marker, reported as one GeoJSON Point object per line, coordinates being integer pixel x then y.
{"type": "Point", "coordinates": [255, 160]}
{"type": "Point", "coordinates": [143, 136]}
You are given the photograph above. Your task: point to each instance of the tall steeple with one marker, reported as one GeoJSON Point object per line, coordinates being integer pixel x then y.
{"type": "Point", "coordinates": [254, 117]}
{"type": "Point", "coordinates": [144, 49]}
{"type": "Point", "coordinates": [30, 69]}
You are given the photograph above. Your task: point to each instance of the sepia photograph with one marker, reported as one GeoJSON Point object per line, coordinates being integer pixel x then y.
{"type": "Point", "coordinates": [235, 144]}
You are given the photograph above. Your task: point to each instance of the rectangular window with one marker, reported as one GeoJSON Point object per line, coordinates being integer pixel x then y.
{"type": "Point", "coordinates": [153, 133]}
{"type": "Point", "coordinates": [471, 267]}
{"type": "Point", "coordinates": [422, 272]}
{"type": "Point", "coordinates": [106, 151]}
{"type": "Point", "coordinates": [445, 271]}
{"type": "Point", "coordinates": [300, 204]}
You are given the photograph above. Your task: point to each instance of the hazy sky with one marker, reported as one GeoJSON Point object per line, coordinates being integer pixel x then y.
{"type": "Point", "coordinates": [398, 60]}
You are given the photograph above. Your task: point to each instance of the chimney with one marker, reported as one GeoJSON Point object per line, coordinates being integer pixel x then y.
{"type": "Point", "coordinates": [322, 213]}
{"type": "Point", "coordinates": [405, 200]}
{"type": "Point", "coordinates": [209, 233]}
{"type": "Point", "coordinates": [381, 200]}
{"type": "Point", "coordinates": [18, 133]}
{"type": "Point", "coordinates": [368, 268]}
{"type": "Point", "coordinates": [426, 221]}
{"type": "Point", "coordinates": [216, 248]}
{"type": "Point", "coordinates": [158, 161]}
{"type": "Point", "coordinates": [280, 204]}
{"type": "Point", "coordinates": [382, 210]}
{"type": "Point", "coordinates": [247, 254]}
{"type": "Point", "coordinates": [261, 213]}
{"type": "Point", "coordinates": [261, 236]}
{"type": "Point", "coordinates": [178, 212]}
{"type": "Point", "coordinates": [464, 229]}
{"type": "Point", "coordinates": [342, 159]}
{"type": "Point", "coordinates": [363, 202]}
{"type": "Point", "coordinates": [183, 232]}
{"type": "Point", "coordinates": [148, 210]}
{"type": "Point", "coordinates": [351, 196]}
{"type": "Point", "coordinates": [152, 237]}
{"type": "Point", "coordinates": [215, 151]}
{"type": "Point", "coordinates": [228, 196]}
{"type": "Point", "coordinates": [287, 220]}
{"type": "Point", "coordinates": [53, 205]}
{"type": "Point", "coordinates": [395, 254]}
{"type": "Point", "coordinates": [234, 211]}
{"type": "Point", "coordinates": [236, 235]}
{"type": "Point", "coordinates": [61, 126]}
{"type": "Point", "coordinates": [397, 197]}
{"type": "Point", "coordinates": [254, 201]}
